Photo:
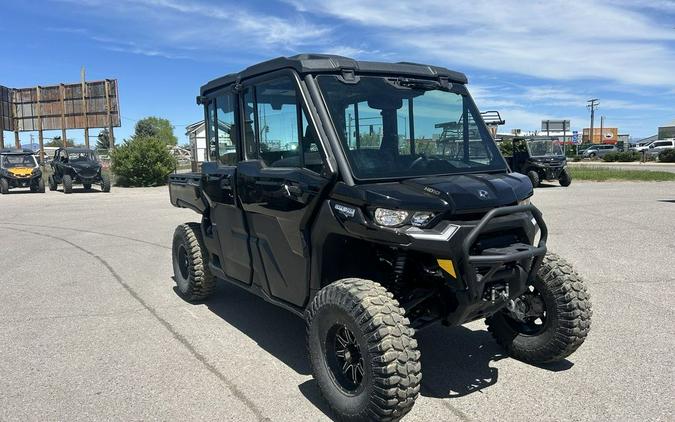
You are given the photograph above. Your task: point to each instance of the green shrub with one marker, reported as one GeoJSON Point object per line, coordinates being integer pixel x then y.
{"type": "Point", "coordinates": [142, 161]}
{"type": "Point", "coordinates": [623, 157]}
{"type": "Point", "coordinates": [667, 156]}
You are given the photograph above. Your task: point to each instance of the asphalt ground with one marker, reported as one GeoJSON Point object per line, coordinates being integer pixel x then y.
{"type": "Point", "coordinates": [91, 327]}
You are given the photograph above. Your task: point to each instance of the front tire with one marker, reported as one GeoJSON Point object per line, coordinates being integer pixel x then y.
{"type": "Point", "coordinates": [534, 178]}
{"type": "Point", "coordinates": [565, 178]}
{"type": "Point", "coordinates": [4, 186]}
{"type": "Point", "coordinates": [550, 320]}
{"type": "Point", "coordinates": [67, 183]}
{"type": "Point", "coordinates": [362, 351]}
{"type": "Point", "coordinates": [190, 263]}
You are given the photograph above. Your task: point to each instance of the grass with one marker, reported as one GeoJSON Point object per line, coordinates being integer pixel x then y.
{"type": "Point", "coordinates": [602, 174]}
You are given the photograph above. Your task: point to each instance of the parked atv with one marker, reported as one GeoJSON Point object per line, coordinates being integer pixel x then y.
{"type": "Point", "coordinates": [77, 165]}
{"type": "Point", "coordinates": [539, 159]}
{"type": "Point", "coordinates": [370, 199]}
{"type": "Point", "coordinates": [20, 169]}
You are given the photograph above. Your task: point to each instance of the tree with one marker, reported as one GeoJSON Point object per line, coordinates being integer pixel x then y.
{"type": "Point", "coordinates": [103, 141]}
{"type": "Point", "coordinates": [57, 142]}
{"type": "Point", "coordinates": [142, 161]}
{"type": "Point", "coordinates": [156, 127]}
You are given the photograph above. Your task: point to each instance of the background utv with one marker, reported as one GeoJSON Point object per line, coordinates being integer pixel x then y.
{"type": "Point", "coordinates": [77, 165]}
{"type": "Point", "coordinates": [370, 199]}
{"type": "Point", "coordinates": [20, 169]}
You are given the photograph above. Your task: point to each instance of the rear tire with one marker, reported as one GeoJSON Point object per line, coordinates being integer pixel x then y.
{"type": "Point", "coordinates": [565, 178]}
{"type": "Point", "coordinates": [534, 178]}
{"type": "Point", "coordinates": [67, 183]}
{"type": "Point", "coordinates": [362, 351]}
{"type": "Point", "coordinates": [52, 183]}
{"type": "Point", "coordinates": [564, 326]}
{"type": "Point", "coordinates": [105, 182]}
{"type": "Point", "coordinates": [4, 186]}
{"type": "Point", "coordinates": [190, 263]}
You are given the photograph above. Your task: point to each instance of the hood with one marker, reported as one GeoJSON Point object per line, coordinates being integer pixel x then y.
{"type": "Point", "coordinates": [455, 193]}
{"type": "Point", "coordinates": [85, 166]}
{"type": "Point", "coordinates": [20, 171]}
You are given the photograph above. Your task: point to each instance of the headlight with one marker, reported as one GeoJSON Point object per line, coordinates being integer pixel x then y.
{"type": "Point", "coordinates": [390, 218]}
{"type": "Point", "coordinates": [525, 201]}
{"type": "Point", "coordinates": [394, 218]}
{"type": "Point", "coordinates": [422, 218]}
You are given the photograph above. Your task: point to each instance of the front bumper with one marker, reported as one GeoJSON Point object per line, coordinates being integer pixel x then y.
{"type": "Point", "coordinates": [21, 181]}
{"type": "Point", "coordinates": [485, 277]}
{"type": "Point", "coordinates": [551, 172]}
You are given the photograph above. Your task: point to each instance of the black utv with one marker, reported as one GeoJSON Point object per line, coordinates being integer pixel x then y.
{"type": "Point", "coordinates": [539, 159]}
{"type": "Point", "coordinates": [77, 165]}
{"type": "Point", "coordinates": [20, 169]}
{"type": "Point", "coordinates": [370, 199]}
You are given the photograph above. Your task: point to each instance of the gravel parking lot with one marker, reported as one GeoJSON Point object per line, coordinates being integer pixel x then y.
{"type": "Point", "coordinates": [91, 328]}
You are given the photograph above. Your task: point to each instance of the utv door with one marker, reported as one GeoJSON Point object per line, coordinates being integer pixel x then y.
{"type": "Point", "coordinates": [279, 185]}
{"type": "Point", "coordinates": [229, 232]}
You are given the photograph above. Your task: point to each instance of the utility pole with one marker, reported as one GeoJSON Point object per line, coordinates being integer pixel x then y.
{"type": "Point", "coordinates": [592, 105]}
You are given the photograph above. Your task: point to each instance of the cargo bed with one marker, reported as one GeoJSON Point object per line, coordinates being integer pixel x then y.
{"type": "Point", "coordinates": [186, 192]}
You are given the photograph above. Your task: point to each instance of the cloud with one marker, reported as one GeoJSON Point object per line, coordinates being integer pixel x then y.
{"type": "Point", "coordinates": [556, 40]}
{"type": "Point", "coordinates": [169, 28]}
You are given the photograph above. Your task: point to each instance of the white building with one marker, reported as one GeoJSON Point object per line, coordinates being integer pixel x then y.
{"type": "Point", "coordinates": [196, 134]}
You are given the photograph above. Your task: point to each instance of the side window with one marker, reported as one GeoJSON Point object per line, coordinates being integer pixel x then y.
{"type": "Point", "coordinates": [226, 129]}
{"type": "Point", "coordinates": [278, 112]}
{"type": "Point", "coordinates": [277, 130]}
{"type": "Point", "coordinates": [311, 148]}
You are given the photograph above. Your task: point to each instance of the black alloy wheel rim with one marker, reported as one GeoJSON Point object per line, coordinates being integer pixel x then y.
{"type": "Point", "coordinates": [344, 358]}
{"type": "Point", "coordinates": [183, 263]}
{"type": "Point", "coordinates": [536, 319]}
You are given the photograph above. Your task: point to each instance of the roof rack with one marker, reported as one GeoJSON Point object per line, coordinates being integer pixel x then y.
{"type": "Point", "coordinates": [492, 118]}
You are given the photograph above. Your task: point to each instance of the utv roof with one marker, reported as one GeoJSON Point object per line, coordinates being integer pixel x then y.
{"type": "Point", "coordinates": [76, 149]}
{"type": "Point", "coordinates": [325, 63]}
{"type": "Point", "coordinates": [24, 151]}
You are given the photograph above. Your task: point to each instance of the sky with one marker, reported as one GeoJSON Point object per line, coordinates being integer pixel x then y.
{"type": "Point", "coordinates": [530, 60]}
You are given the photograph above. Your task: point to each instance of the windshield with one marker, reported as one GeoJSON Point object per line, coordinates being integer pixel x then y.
{"type": "Point", "coordinates": [18, 161]}
{"type": "Point", "coordinates": [80, 156]}
{"type": "Point", "coordinates": [541, 148]}
{"type": "Point", "coordinates": [393, 128]}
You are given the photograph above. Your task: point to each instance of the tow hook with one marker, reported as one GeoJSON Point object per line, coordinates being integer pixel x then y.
{"type": "Point", "coordinates": [500, 293]}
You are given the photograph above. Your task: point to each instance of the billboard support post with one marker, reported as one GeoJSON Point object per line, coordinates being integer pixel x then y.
{"type": "Point", "coordinates": [84, 107]}
{"type": "Point", "coordinates": [2, 136]}
{"type": "Point", "coordinates": [17, 140]}
{"type": "Point", "coordinates": [41, 141]}
{"type": "Point", "coordinates": [64, 135]}
{"type": "Point", "coordinates": [111, 135]}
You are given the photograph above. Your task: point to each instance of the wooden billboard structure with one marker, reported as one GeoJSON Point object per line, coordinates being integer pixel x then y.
{"type": "Point", "coordinates": [81, 105]}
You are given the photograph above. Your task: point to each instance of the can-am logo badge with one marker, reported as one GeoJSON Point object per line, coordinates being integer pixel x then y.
{"type": "Point", "coordinates": [344, 210]}
{"type": "Point", "coordinates": [483, 194]}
